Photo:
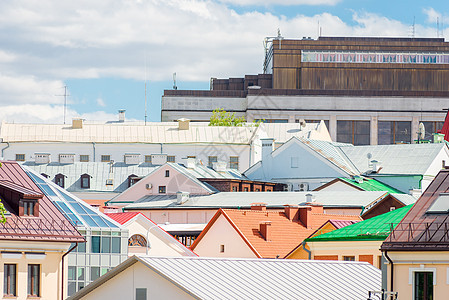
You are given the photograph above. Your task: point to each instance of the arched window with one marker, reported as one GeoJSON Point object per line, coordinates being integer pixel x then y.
{"type": "Point", "coordinates": [59, 179]}
{"type": "Point", "coordinates": [85, 181]}
{"type": "Point", "coordinates": [137, 240]}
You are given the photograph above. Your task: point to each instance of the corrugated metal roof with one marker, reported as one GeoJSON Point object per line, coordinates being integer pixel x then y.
{"type": "Point", "coordinates": [219, 278]}
{"type": "Point", "coordinates": [376, 228]}
{"type": "Point", "coordinates": [276, 199]}
{"type": "Point", "coordinates": [395, 159]}
{"type": "Point", "coordinates": [282, 132]}
{"type": "Point", "coordinates": [370, 184]}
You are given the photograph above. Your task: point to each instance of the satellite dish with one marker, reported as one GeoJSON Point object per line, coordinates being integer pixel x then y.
{"type": "Point", "coordinates": [369, 156]}
{"type": "Point", "coordinates": [421, 131]}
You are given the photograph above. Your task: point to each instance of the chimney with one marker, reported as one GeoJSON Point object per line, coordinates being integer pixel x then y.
{"type": "Point", "coordinates": [121, 115]}
{"type": "Point", "coordinates": [259, 206]}
{"type": "Point", "coordinates": [358, 179]}
{"type": "Point", "coordinates": [305, 216]}
{"type": "Point", "coordinates": [310, 198]}
{"type": "Point", "coordinates": [317, 208]}
{"type": "Point", "coordinates": [191, 163]}
{"type": "Point", "coordinates": [182, 197]}
{"type": "Point", "coordinates": [267, 147]}
{"type": "Point", "coordinates": [219, 166]}
{"type": "Point", "coordinates": [183, 124]}
{"type": "Point", "coordinates": [265, 230]}
{"type": "Point", "coordinates": [77, 123]}
{"type": "Point", "coordinates": [374, 164]}
{"type": "Point", "coordinates": [291, 211]}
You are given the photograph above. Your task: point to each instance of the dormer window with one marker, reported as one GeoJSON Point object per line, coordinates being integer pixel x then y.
{"type": "Point", "coordinates": [59, 179]}
{"type": "Point", "coordinates": [28, 207]}
{"type": "Point", "coordinates": [85, 181]}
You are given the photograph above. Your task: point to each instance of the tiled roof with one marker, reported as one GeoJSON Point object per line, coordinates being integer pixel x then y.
{"type": "Point", "coordinates": [285, 234]}
{"type": "Point", "coordinates": [50, 225]}
{"type": "Point", "coordinates": [419, 229]}
{"type": "Point", "coordinates": [376, 228]}
{"type": "Point", "coordinates": [245, 278]}
{"type": "Point", "coordinates": [370, 184]}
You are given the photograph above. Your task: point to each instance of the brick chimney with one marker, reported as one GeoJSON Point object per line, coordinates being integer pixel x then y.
{"type": "Point", "coordinates": [259, 206]}
{"type": "Point", "coordinates": [317, 208]}
{"type": "Point", "coordinates": [265, 230]}
{"type": "Point", "coordinates": [291, 211]}
{"type": "Point", "coordinates": [305, 215]}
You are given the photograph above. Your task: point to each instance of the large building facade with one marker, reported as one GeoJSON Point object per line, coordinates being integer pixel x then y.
{"type": "Point", "coordinates": [367, 90]}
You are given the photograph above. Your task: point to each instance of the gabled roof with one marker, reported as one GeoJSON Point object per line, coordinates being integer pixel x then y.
{"type": "Point", "coordinates": [50, 225]}
{"type": "Point", "coordinates": [370, 184]}
{"type": "Point", "coordinates": [285, 234]}
{"type": "Point", "coordinates": [244, 278]}
{"type": "Point", "coordinates": [272, 199]}
{"type": "Point", "coordinates": [376, 228]}
{"type": "Point", "coordinates": [422, 229]}
{"type": "Point", "coordinates": [445, 129]}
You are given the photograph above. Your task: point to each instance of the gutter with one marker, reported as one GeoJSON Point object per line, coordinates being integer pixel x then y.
{"type": "Point", "coordinates": [308, 251]}
{"type": "Point", "coordinates": [62, 277]}
{"type": "Point", "coordinates": [7, 146]}
{"type": "Point", "coordinates": [93, 145]}
{"type": "Point", "coordinates": [391, 270]}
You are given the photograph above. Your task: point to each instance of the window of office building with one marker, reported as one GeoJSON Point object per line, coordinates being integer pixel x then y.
{"type": "Point", "coordinates": [234, 162]}
{"type": "Point", "coordinates": [105, 158]}
{"type": "Point", "coordinates": [430, 128]}
{"type": "Point", "coordinates": [84, 158]}
{"type": "Point", "coordinates": [353, 132]}
{"type": "Point", "coordinates": [20, 157]}
{"type": "Point", "coordinates": [212, 159]}
{"type": "Point", "coordinates": [10, 281]}
{"type": "Point", "coordinates": [394, 132]}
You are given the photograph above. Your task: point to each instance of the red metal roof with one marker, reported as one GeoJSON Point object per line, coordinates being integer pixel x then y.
{"type": "Point", "coordinates": [420, 230]}
{"type": "Point", "coordinates": [445, 129]}
{"type": "Point", "coordinates": [124, 217]}
{"type": "Point", "coordinates": [342, 223]}
{"type": "Point", "coordinates": [50, 225]}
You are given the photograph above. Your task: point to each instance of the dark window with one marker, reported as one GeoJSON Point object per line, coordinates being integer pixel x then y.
{"type": "Point", "coordinates": [59, 179]}
{"type": "Point", "coordinates": [353, 132]}
{"type": "Point", "coordinates": [137, 240]}
{"type": "Point", "coordinates": [34, 275]}
{"type": "Point", "coordinates": [94, 273]}
{"type": "Point", "coordinates": [171, 158]}
{"type": "Point", "coordinates": [212, 159]}
{"type": "Point", "coordinates": [10, 275]}
{"type": "Point", "coordinates": [148, 159]}
{"type": "Point", "coordinates": [105, 244]}
{"type": "Point", "coordinates": [430, 128]}
{"type": "Point", "coordinates": [394, 132]}
{"type": "Point", "coordinates": [95, 245]}
{"type": "Point", "coordinates": [105, 158]}
{"type": "Point", "coordinates": [84, 158]}
{"type": "Point", "coordinates": [349, 258]}
{"type": "Point", "coordinates": [20, 157]}
{"type": "Point", "coordinates": [167, 173]}
{"type": "Point", "coordinates": [162, 189]}
{"type": "Point", "coordinates": [116, 245]}
{"type": "Point", "coordinates": [191, 156]}
{"type": "Point", "coordinates": [85, 181]}
{"type": "Point", "coordinates": [141, 294]}
{"type": "Point", "coordinates": [245, 189]}
{"type": "Point", "coordinates": [222, 248]}
{"type": "Point", "coordinates": [424, 286]}
{"type": "Point", "coordinates": [132, 179]}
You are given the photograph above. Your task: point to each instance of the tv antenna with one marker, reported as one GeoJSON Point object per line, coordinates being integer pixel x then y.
{"type": "Point", "coordinates": [65, 100]}
{"type": "Point", "coordinates": [175, 87]}
{"type": "Point", "coordinates": [413, 27]}
{"type": "Point", "coordinates": [145, 88]}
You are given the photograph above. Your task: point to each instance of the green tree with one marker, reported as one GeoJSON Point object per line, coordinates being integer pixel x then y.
{"type": "Point", "coordinates": [2, 213]}
{"type": "Point", "coordinates": [220, 117]}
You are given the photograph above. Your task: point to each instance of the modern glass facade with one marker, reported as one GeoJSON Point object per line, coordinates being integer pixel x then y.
{"type": "Point", "coordinates": [106, 240]}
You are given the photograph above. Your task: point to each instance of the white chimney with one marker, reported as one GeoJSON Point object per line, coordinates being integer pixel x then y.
{"type": "Point", "coordinates": [310, 198]}
{"type": "Point", "coordinates": [121, 115]}
{"type": "Point", "coordinates": [182, 197]}
{"type": "Point", "coordinates": [267, 147]}
{"type": "Point", "coordinates": [77, 123]}
{"type": "Point", "coordinates": [219, 166]}
{"type": "Point", "coordinates": [183, 124]}
{"type": "Point", "coordinates": [191, 163]}
{"type": "Point", "coordinates": [374, 164]}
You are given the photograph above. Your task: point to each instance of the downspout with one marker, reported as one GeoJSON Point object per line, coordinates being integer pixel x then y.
{"type": "Point", "coordinates": [62, 277]}
{"type": "Point", "coordinates": [7, 146]}
{"type": "Point", "coordinates": [308, 251]}
{"type": "Point", "coordinates": [391, 270]}
{"type": "Point", "coordinates": [161, 148]}
{"type": "Point", "coordinates": [93, 146]}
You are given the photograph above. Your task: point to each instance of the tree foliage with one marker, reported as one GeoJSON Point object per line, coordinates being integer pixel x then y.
{"type": "Point", "coordinates": [2, 213]}
{"type": "Point", "coordinates": [220, 117]}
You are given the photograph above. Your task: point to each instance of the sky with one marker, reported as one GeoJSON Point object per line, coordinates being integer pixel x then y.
{"type": "Point", "coordinates": [110, 54]}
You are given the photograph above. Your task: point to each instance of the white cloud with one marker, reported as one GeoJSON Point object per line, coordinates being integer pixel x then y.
{"type": "Point", "coordinates": [100, 102]}
{"type": "Point", "coordinates": [46, 42]}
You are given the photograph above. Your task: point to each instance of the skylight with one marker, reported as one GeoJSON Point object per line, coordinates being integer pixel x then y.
{"type": "Point", "coordinates": [440, 205]}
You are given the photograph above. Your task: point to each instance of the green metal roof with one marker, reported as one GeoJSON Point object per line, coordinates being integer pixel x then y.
{"type": "Point", "coordinates": [376, 228]}
{"type": "Point", "coordinates": [369, 184]}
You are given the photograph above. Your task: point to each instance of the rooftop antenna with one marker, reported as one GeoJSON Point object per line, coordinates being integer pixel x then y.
{"type": "Point", "coordinates": [174, 81]}
{"type": "Point", "coordinates": [438, 27]}
{"type": "Point", "coordinates": [65, 100]}
{"type": "Point", "coordinates": [145, 88]}
{"type": "Point", "coordinates": [413, 27]}
{"type": "Point", "coordinates": [270, 39]}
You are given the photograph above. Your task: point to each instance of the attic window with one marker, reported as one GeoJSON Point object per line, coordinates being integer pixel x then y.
{"type": "Point", "coordinates": [222, 248]}
{"type": "Point", "coordinates": [29, 207]}
{"type": "Point", "coordinates": [167, 173]}
{"type": "Point", "coordinates": [85, 181]}
{"type": "Point", "coordinates": [59, 179]}
{"type": "Point", "coordinates": [440, 205]}
{"type": "Point", "coordinates": [171, 158]}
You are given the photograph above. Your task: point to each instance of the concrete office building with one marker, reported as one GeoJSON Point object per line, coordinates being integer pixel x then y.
{"type": "Point", "coordinates": [367, 90]}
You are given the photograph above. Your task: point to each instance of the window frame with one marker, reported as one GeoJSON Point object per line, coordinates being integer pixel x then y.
{"type": "Point", "coordinates": [82, 177]}
{"type": "Point", "coordinates": [105, 158]}
{"type": "Point", "coordinates": [171, 158]}
{"type": "Point", "coordinates": [7, 280]}
{"type": "Point", "coordinates": [31, 280]}
{"type": "Point", "coordinates": [411, 277]}
{"type": "Point", "coordinates": [162, 189]}
{"type": "Point", "coordinates": [62, 178]}
{"type": "Point", "coordinates": [167, 173]}
{"type": "Point", "coordinates": [234, 164]}
{"type": "Point", "coordinates": [147, 159]}
{"type": "Point", "coordinates": [83, 157]}
{"type": "Point", "coordinates": [211, 160]}
{"type": "Point", "coordinates": [20, 159]}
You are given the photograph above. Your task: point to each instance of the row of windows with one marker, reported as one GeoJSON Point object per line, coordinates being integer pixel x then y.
{"type": "Point", "coordinates": [103, 158]}
{"type": "Point", "coordinates": [374, 57]}
{"type": "Point", "coordinates": [10, 280]}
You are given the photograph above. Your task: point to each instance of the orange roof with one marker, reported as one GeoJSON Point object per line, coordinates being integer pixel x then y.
{"type": "Point", "coordinates": [285, 234]}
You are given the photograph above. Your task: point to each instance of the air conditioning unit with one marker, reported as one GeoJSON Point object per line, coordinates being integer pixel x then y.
{"type": "Point", "coordinates": [303, 186]}
{"type": "Point", "coordinates": [148, 186]}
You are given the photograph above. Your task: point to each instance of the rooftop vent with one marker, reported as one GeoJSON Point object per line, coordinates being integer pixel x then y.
{"type": "Point", "coordinates": [219, 166]}
{"type": "Point", "coordinates": [182, 197]}
{"type": "Point", "coordinates": [121, 115]}
{"type": "Point", "coordinates": [77, 123]}
{"type": "Point", "coordinates": [310, 198]}
{"type": "Point", "coordinates": [183, 124]}
{"type": "Point", "coordinates": [42, 158]}
{"type": "Point", "coordinates": [259, 206]}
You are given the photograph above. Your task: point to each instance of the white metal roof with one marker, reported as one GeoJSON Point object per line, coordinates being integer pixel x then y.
{"type": "Point", "coordinates": [245, 199]}
{"type": "Point", "coordinates": [245, 278]}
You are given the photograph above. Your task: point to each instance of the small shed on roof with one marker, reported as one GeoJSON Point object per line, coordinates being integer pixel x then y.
{"type": "Point", "coordinates": [225, 278]}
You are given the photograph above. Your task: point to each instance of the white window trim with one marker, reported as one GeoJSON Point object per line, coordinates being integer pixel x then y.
{"type": "Point", "coordinates": [411, 272]}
